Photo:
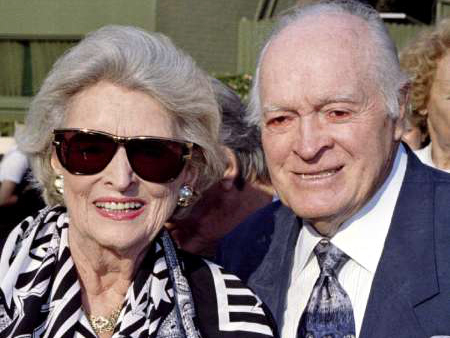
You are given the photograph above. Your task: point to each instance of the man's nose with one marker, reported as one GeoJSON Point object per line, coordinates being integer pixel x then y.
{"type": "Point", "coordinates": [119, 172]}
{"type": "Point", "coordinates": [313, 138]}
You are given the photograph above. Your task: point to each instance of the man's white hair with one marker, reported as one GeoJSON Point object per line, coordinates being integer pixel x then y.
{"type": "Point", "coordinates": [386, 68]}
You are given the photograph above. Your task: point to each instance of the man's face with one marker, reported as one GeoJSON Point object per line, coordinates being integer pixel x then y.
{"type": "Point", "coordinates": [328, 140]}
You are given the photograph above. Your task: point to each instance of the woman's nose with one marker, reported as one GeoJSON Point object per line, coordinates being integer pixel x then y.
{"type": "Point", "coordinates": [119, 173]}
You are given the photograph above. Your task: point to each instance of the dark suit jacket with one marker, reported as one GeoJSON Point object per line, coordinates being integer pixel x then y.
{"type": "Point", "coordinates": [410, 294]}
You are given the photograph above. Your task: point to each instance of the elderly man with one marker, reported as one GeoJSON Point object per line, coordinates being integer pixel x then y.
{"type": "Point", "coordinates": [360, 245]}
{"type": "Point", "coordinates": [244, 188]}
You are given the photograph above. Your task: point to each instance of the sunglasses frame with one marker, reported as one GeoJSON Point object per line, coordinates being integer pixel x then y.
{"type": "Point", "coordinates": [187, 147]}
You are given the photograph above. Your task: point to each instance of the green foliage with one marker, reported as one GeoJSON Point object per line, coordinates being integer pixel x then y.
{"type": "Point", "coordinates": [239, 83]}
{"type": "Point", "coordinates": [6, 128]}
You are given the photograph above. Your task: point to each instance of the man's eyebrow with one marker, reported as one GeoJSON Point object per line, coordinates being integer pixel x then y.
{"type": "Point", "coordinates": [343, 98]}
{"type": "Point", "coordinates": [274, 108]}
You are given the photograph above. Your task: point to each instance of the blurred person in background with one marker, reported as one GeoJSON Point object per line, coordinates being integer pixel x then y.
{"type": "Point", "coordinates": [427, 60]}
{"type": "Point", "coordinates": [18, 198]}
{"type": "Point", "coordinates": [13, 167]}
{"type": "Point", "coordinates": [122, 133]}
{"type": "Point", "coordinates": [244, 187]}
{"type": "Point", "coordinates": [416, 134]}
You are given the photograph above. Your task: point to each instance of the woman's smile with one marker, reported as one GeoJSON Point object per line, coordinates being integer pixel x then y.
{"type": "Point", "coordinates": [123, 209]}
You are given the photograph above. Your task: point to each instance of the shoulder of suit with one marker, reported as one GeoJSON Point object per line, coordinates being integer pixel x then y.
{"type": "Point", "coordinates": [261, 220]}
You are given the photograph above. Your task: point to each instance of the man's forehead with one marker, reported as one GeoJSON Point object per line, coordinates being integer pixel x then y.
{"type": "Point", "coordinates": [324, 32]}
{"type": "Point", "coordinates": [307, 66]}
{"type": "Point", "coordinates": [324, 51]}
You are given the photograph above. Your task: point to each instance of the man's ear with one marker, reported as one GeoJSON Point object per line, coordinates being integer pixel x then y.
{"type": "Point", "coordinates": [404, 105]}
{"type": "Point", "coordinates": [232, 170]}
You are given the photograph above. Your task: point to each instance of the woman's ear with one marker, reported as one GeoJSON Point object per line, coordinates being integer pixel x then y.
{"type": "Point", "coordinates": [231, 171]}
{"type": "Point", "coordinates": [54, 162]}
{"type": "Point", "coordinates": [190, 176]}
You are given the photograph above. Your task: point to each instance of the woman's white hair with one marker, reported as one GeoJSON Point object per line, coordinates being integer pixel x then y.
{"type": "Point", "coordinates": [137, 60]}
{"type": "Point", "coordinates": [385, 65]}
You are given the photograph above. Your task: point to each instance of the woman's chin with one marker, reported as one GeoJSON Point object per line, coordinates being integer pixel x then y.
{"type": "Point", "coordinates": [120, 240]}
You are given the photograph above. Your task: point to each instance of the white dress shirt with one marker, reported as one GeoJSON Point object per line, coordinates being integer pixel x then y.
{"type": "Point", "coordinates": [361, 237]}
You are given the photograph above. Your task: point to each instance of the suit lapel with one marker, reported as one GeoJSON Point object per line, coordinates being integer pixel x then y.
{"type": "Point", "coordinates": [270, 280]}
{"type": "Point", "coordinates": [406, 274]}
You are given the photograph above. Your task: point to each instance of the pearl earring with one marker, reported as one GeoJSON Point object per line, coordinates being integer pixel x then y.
{"type": "Point", "coordinates": [185, 196]}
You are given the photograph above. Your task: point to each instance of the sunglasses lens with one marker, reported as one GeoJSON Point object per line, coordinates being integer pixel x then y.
{"type": "Point", "coordinates": [85, 153]}
{"type": "Point", "coordinates": [156, 161]}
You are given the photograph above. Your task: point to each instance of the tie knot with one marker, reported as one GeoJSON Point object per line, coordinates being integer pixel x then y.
{"type": "Point", "coordinates": [330, 258]}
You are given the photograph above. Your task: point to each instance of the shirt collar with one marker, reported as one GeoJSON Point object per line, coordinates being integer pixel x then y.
{"type": "Point", "coordinates": [308, 240]}
{"type": "Point", "coordinates": [362, 236]}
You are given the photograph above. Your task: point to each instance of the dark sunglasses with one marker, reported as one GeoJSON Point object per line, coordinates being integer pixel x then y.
{"type": "Point", "coordinates": [88, 152]}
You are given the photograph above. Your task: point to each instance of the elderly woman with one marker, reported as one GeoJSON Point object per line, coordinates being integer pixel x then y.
{"type": "Point", "coordinates": [427, 60]}
{"type": "Point", "coordinates": [121, 135]}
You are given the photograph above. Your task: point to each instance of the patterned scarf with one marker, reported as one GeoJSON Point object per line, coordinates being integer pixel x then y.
{"type": "Point", "coordinates": [40, 294]}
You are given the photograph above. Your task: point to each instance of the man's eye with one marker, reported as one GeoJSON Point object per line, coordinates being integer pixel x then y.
{"type": "Point", "coordinates": [277, 121]}
{"type": "Point", "coordinates": [339, 115]}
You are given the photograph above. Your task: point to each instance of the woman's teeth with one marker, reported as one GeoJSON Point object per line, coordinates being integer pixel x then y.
{"type": "Point", "coordinates": [117, 206]}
